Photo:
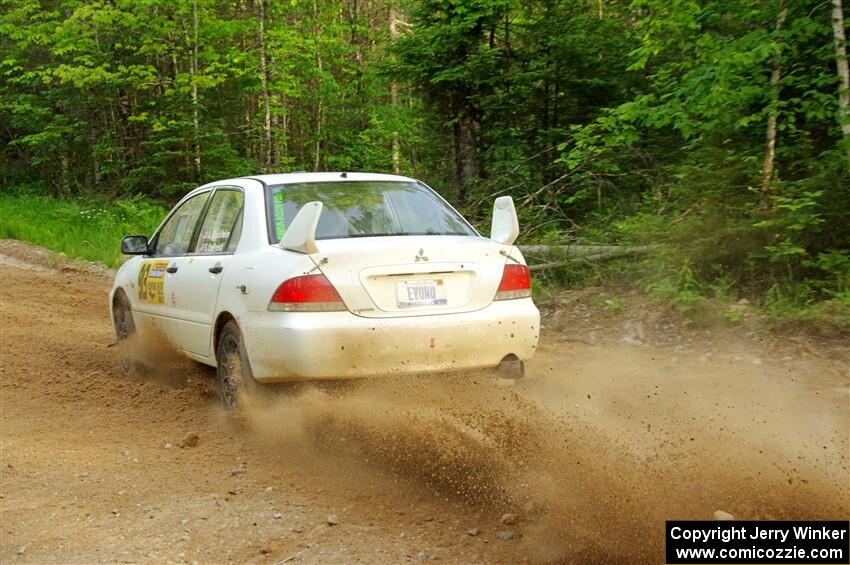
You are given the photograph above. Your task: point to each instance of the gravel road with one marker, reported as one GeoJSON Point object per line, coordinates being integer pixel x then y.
{"type": "Point", "coordinates": [590, 453]}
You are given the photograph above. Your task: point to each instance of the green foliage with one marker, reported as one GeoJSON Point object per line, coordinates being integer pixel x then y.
{"type": "Point", "coordinates": [700, 121]}
{"type": "Point", "coordinates": [120, 98]}
{"type": "Point", "coordinates": [506, 81]}
{"type": "Point", "coordinates": [683, 288]}
{"type": "Point", "coordinates": [733, 315]}
{"type": "Point", "coordinates": [822, 298]}
{"type": "Point", "coordinates": [616, 122]}
{"type": "Point", "coordinates": [614, 304]}
{"type": "Point", "coordinates": [91, 228]}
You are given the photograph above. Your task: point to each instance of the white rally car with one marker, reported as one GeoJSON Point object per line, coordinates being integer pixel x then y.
{"type": "Point", "coordinates": [327, 276]}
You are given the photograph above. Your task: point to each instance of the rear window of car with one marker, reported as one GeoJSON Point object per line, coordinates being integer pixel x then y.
{"type": "Point", "coordinates": [365, 209]}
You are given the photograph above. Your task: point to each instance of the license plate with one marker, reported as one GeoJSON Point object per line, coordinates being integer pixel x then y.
{"type": "Point", "coordinates": [424, 292]}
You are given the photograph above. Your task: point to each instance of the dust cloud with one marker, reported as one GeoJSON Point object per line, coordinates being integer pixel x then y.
{"type": "Point", "coordinates": [594, 485]}
{"type": "Point", "coordinates": [149, 356]}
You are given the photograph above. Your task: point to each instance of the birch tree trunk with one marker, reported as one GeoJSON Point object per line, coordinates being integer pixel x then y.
{"type": "Point", "coordinates": [396, 152]}
{"type": "Point", "coordinates": [264, 90]}
{"type": "Point", "coordinates": [843, 73]}
{"type": "Point", "coordinates": [767, 201]}
{"type": "Point", "coordinates": [285, 128]}
{"type": "Point", "coordinates": [196, 134]}
{"type": "Point", "coordinates": [317, 155]}
{"type": "Point", "coordinates": [276, 156]}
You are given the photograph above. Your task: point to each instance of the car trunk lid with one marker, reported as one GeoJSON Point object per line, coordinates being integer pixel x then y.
{"type": "Point", "coordinates": [395, 276]}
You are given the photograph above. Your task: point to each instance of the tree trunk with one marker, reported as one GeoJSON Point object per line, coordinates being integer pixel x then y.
{"type": "Point", "coordinates": [466, 154]}
{"type": "Point", "coordinates": [284, 129]}
{"type": "Point", "coordinates": [95, 162]}
{"type": "Point", "coordinates": [276, 156]}
{"type": "Point", "coordinates": [65, 174]}
{"type": "Point", "coordinates": [264, 90]}
{"type": "Point", "coordinates": [196, 134]}
{"type": "Point", "coordinates": [317, 155]}
{"type": "Point", "coordinates": [249, 138]}
{"type": "Point", "coordinates": [843, 74]}
{"type": "Point", "coordinates": [355, 41]}
{"type": "Point", "coordinates": [396, 152]}
{"type": "Point", "coordinates": [250, 141]}
{"type": "Point", "coordinates": [767, 200]}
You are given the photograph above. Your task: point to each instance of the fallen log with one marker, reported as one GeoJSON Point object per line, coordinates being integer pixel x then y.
{"type": "Point", "coordinates": [567, 249]}
{"type": "Point", "coordinates": [580, 250]}
{"type": "Point", "coordinates": [577, 254]}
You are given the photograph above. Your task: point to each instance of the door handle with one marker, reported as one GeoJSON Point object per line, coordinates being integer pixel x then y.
{"type": "Point", "coordinates": [216, 269]}
{"type": "Point", "coordinates": [172, 268]}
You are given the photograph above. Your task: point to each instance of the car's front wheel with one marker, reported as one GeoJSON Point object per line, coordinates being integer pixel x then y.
{"type": "Point", "coordinates": [234, 372]}
{"type": "Point", "coordinates": [122, 318]}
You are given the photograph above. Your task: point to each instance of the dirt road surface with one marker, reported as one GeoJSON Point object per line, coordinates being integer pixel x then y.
{"type": "Point", "coordinates": [592, 451]}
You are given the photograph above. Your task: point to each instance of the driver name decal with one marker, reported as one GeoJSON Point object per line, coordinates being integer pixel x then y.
{"type": "Point", "coordinates": [151, 281]}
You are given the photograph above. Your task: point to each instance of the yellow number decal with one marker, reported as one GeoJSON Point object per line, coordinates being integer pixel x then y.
{"type": "Point", "coordinates": [151, 282]}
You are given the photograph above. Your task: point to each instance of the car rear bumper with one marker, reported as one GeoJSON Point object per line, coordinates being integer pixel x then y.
{"type": "Point", "coordinates": [327, 345]}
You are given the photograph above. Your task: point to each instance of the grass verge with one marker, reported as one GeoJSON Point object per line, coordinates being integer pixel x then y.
{"type": "Point", "coordinates": [669, 281]}
{"type": "Point", "coordinates": [88, 229]}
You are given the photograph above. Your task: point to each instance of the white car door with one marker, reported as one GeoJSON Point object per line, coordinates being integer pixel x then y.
{"type": "Point", "coordinates": [155, 277]}
{"type": "Point", "coordinates": [193, 289]}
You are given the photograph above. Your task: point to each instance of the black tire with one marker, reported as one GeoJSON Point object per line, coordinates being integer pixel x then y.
{"type": "Point", "coordinates": [233, 370]}
{"type": "Point", "coordinates": [125, 327]}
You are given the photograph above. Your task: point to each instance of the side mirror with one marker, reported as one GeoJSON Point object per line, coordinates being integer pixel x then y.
{"type": "Point", "coordinates": [300, 236]}
{"type": "Point", "coordinates": [134, 245]}
{"type": "Point", "coordinates": [505, 226]}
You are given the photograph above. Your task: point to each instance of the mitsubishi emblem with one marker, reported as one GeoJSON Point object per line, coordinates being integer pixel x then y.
{"type": "Point", "coordinates": [421, 256]}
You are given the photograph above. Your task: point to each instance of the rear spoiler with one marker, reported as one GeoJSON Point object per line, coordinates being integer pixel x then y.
{"type": "Point", "coordinates": [300, 236]}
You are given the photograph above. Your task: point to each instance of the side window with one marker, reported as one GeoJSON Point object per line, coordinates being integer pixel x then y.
{"type": "Point", "coordinates": [175, 237]}
{"type": "Point", "coordinates": [222, 225]}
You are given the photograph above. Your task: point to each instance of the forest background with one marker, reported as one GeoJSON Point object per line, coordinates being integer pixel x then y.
{"type": "Point", "coordinates": [717, 130]}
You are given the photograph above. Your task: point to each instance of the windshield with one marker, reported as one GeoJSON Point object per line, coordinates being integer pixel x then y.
{"type": "Point", "coordinates": [365, 209]}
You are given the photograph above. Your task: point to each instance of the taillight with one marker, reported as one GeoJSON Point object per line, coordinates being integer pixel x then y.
{"type": "Point", "coordinates": [516, 283]}
{"type": "Point", "coordinates": [308, 293]}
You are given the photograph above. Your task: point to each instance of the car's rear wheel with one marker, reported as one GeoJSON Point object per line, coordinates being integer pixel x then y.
{"type": "Point", "coordinates": [234, 371]}
{"type": "Point", "coordinates": [122, 318]}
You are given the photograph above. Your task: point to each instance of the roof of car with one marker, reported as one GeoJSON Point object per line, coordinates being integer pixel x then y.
{"type": "Point", "coordinates": [298, 177]}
